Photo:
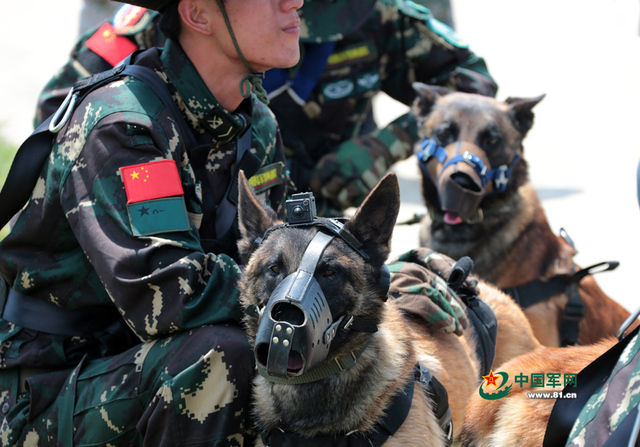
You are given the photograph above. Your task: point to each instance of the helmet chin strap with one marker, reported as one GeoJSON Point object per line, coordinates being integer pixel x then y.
{"type": "Point", "coordinates": [251, 82]}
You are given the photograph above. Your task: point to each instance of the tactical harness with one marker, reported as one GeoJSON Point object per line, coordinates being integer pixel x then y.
{"type": "Point", "coordinates": [538, 290]}
{"type": "Point", "coordinates": [39, 315]}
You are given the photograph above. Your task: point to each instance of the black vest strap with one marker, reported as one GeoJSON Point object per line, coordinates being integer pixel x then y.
{"type": "Point", "coordinates": [24, 172]}
{"type": "Point", "coordinates": [536, 291]}
{"type": "Point", "coordinates": [590, 379]}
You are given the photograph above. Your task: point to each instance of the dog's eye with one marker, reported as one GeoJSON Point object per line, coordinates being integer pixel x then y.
{"type": "Point", "coordinates": [328, 273]}
{"type": "Point", "coordinates": [444, 135]}
{"type": "Point", "coordinates": [275, 269]}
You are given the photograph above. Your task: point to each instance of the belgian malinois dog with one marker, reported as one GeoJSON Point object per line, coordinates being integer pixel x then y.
{"type": "Point", "coordinates": [475, 186]}
{"type": "Point", "coordinates": [334, 355]}
{"type": "Point", "coordinates": [517, 419]}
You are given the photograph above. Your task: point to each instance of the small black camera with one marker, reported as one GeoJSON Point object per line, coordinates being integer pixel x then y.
{"type": "Point", "coordinates": [301, 208]}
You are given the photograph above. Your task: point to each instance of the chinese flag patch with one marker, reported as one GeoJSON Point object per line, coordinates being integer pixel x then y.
{"type": "Point", "coordinates": [153, 180]}
{"type": "Point", "coordinates": [110, 46]}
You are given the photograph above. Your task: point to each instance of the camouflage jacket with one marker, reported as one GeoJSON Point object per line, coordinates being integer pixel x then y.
{"type": "Point", "coordinates": [333, 146]}
{"type": "Point", "coordinates": [611, 406]}
{"type": "Point", "coordinates": [341, 155]}
{"type": "Point", "coordinates": [131, 29]}
{"type": "Point", "coordinates": [91, 236]}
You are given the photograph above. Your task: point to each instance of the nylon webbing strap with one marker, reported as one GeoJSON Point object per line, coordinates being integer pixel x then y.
{"type": "Point", "coordinates": [38, 315]}
{"type": "Point", "coordinates": [228, 207]}
{"type": "Point", "coordinates": [590, 379]}
{"type": "Point", "coordinates": [24, 172]}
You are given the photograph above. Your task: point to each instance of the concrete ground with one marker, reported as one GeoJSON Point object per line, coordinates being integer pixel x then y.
{"type": "Point", "coordinates": [582, 149]}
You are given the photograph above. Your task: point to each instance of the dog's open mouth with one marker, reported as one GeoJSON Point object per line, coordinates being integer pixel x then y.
{"type": "Point", "coordinates": [294, 363]}
{"type": "Point", "coordinates": [452, 218]}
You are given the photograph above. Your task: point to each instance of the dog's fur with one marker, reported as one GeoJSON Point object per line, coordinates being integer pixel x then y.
{"type": "Point", "coordinates": [355, 399]}
{"type": "Point", "coordinates": [513, 244]}
{"type": "Point", "coordinates": [516, 419]}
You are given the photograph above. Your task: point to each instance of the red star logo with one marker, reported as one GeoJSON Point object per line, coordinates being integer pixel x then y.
{"type": "Point", "coordinates": [491, 379]}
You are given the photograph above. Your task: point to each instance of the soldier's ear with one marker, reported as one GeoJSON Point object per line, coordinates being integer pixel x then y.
{"type": "Point", "coordinates": [194, 16]}
{"type": "Point", "coordinates": [254, 217]}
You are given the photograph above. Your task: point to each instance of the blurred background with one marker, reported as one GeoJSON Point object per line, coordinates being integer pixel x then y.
{"type": "Point", "coordinates": [583, 149]}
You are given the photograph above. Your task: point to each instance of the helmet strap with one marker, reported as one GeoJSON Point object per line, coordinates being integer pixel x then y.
{"type": "Point", "coordinates": [251, 82]}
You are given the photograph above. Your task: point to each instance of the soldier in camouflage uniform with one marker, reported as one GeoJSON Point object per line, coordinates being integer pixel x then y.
{"type": "Point", "coordinates": [351, 50]}
{"type": "Point", "coordinates": [120, 236]}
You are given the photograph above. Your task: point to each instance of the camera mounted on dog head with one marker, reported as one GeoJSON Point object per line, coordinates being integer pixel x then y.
{"type": "Point", "coordinates": [296, 327]}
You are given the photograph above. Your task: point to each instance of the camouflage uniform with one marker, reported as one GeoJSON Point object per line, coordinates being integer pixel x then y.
{"type": "Point", "coordinates": [612, 405]}
{"type": "Point", "coordinates": [138, 25]}
{"type": "Point", "coordinates": [382, 45]}
{"type": "Point", "coordinates": [79, 244]}
{"type": "Point", "coordinates": [332, 144]}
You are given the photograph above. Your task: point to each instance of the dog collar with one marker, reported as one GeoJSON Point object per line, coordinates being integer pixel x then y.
{"type": "Point", "coordinates": [327, 369]}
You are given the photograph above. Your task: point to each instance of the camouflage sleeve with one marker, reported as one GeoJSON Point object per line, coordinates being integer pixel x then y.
{"type": "Point", "coordinates": [162, 282]}
{"type": "Point", "coordinates": [346, 176]}
{"type": "Point", "coordinates": [428, 51]}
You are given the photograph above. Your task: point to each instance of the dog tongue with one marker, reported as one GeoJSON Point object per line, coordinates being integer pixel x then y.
{"type": "Point", "coordinates": [452, 218]}
{"type": "Point", "coordinates": [294, 363]}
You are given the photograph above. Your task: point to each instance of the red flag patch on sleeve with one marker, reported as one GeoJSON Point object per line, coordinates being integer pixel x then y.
{"type": "Point", "coordinates": [110, 46]}
{"type": "Point", "coordinates": [153, 180]}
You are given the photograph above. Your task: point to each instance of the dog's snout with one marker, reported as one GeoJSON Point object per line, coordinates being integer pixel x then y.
{"type": "Point", "coordinates": [466, 182]}
{"type": "Point", "coordinates": [288, 313]}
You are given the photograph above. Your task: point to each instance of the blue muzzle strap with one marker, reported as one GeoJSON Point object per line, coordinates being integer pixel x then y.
{"type": "Point", "coordinates": [499, 176]}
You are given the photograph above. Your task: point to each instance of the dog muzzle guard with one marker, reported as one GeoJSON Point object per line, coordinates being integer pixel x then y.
{"type": "Point", "coordinates": [465, 178]}
{"type": "Point", "coordinates": [296, 327]}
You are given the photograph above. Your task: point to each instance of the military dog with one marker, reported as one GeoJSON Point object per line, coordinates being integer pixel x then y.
{"type": "Point", "coordinates": [337, 360]}
{"type": "Point", "coordinates": [518, 419]}
{"type": "Point", "coordinates": [475, 186]}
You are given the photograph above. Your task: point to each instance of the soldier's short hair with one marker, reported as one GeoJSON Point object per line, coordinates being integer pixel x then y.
{"type": "Point", "coordinates": [170, 23]}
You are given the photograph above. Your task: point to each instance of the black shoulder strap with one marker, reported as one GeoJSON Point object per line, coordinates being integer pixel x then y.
{"type": "Point", "coordinates": [24, 172]}
{"type": "Point", "coordinates": [566, 411]}
{"type": "Point", "coordinates": [34, 151]}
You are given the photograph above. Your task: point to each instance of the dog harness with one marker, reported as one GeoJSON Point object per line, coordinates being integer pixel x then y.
{"type": "Point", "coordinates": [499, 176]}
{"type": "Point", "coordinates": [395, 416]}
{"type": "Point", "coordinates": [538, 290]}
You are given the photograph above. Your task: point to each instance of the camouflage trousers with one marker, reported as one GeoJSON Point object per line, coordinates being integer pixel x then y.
{"type": "Point", "coordinates": [191, 388]}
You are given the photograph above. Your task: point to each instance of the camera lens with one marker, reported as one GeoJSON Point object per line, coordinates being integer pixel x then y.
{"type": "Point", "coordinates": [297, 211]}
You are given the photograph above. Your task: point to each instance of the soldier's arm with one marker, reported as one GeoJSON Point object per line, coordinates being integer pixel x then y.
{"type": "Point", "coordinates": [430, 52]}
{"type": "Point", "coordinates": [346, 176]}
{"type": "Point", "coordinates": [159, 277]}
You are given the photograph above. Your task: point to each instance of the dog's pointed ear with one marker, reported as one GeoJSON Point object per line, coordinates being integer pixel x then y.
{"type": "Point", "coordinates": [374, 221]}
{"type": "Point", "coordinates": [254, 217]}
{"type": "Point", "coordinates": [521, 112]}
{"type": "Point", "coordinates": [427, 95]}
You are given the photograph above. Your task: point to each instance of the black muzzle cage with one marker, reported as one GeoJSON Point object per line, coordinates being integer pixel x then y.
{"type": "Point", "coordinates": [296, 327]}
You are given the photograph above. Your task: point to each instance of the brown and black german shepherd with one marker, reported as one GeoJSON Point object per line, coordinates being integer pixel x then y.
{"type": "Point", "coordinates": [476, 188]}
{"type": "Point", "coordinates": [517, 419]}
{"type": "Point", "coordinates": [355, 398]}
